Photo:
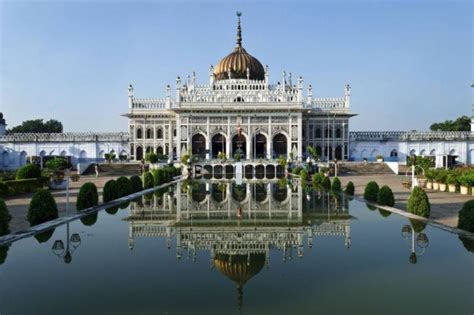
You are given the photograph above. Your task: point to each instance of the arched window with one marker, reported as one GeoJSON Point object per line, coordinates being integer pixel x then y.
{"type": "Point", "coordinates": [394, 153]}
{"type": "Point", "coordinates": [149, 134]}
{"type": "Point", "coordinates": [318, 133]}
{"type": "Point", "coordinates": [159, 133]}
{"type": "Point", "coordinates": [338, 133]}
{"type": "Point", "coordinates": [139, 133]}
{"type": "Point", "coordinates": [174, 132]}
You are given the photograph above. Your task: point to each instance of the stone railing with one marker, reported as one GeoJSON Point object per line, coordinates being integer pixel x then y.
{"type": "Point", "coordinates": [409, 135]}
{"type": "Point", "coordinates": [66, 137]}
{"type": "Point", "coordinates": [149, 103]}
{"type": "Point", "coordinates": [328, 104]}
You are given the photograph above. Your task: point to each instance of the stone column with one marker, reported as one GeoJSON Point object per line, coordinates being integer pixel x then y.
{"type": "Point", "coordinates": [209, 139]}
{"type": "Point", "coordinates": [300, 137]}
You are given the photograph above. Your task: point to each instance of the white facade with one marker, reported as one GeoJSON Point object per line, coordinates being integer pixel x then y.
{"type": "Point", "coordinates": [82, 148]}
{"type": "Point", "coordinates": [397, 145]}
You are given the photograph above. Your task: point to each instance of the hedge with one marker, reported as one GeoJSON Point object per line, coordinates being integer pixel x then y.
{"type": "Point", "coordinates": [159, 176]}
{"type": "Point", "coordinates": [350, 188]}
{"type": "Point", "coordinates": [151, 157]}
{"type": "Point", "coordinates": [385, 197]}
{"type": "Point", "coordinates": [111, 191]}
{"type": "Point", "coordinates": [318, 178]}
{"type": "Point", "coordinates": [28, 171]}
{"type": "Point", "coordinates": [22, 186]}
{"type": "Point", "coordinates": [5, 218]}
{"type": "Point", "coordinates": [136, 183]}
{"type": "Point", "coordinates": [42, 208]}
{"type": "Point", "coordinates": [418, 203]}
{"type": "Point", "coordinates": [326, 183]}
{"type": "Point", "coordinates": [371, 191]}
{"type": "Point", "coordinates": [336, 184]}
{"type": "Point", "coordinates": [124, 186]}
{"type": "Point", "coordinates": [88, 196]}
{"type": "Point", "coordinates": [466, 217]}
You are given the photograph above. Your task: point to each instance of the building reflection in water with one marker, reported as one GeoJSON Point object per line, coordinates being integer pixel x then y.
{"type": "Point", "coordinates": [239, 224]}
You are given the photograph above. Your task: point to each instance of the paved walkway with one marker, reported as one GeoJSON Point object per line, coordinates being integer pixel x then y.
{"type": "Point", "coordinates": [444, 206]}
{"type": "Point", "coordinates": [18, 205]}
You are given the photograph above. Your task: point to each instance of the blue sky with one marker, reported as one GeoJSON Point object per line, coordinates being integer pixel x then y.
{"type": "Point", "coordinates": [409, 62]}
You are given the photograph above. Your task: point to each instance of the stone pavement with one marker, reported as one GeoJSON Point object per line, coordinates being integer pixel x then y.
{"type": "Point", "coordinates": [18, 205]}
{"type": "Point", "coordinates": [444, 206]}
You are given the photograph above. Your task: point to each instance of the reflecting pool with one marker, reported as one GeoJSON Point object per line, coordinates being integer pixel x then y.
{"type": "Point", "coordinates": [221, 248]}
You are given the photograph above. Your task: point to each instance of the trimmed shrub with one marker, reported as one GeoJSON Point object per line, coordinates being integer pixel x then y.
{"type": "Point", "coordinates": [124, 186]}
{"type": "Point", "coordinates": [326, 183]}
{"type": "Point", "coordinates": [136, 183]}
{"type": "Point", "coordinates": [350, 188]}
{"type": "Point", "coordinates": [296, 170]}
{"type": "Point", "coordinates": [88, 196]}
{"type": "Point", "coordinates": [318, 178]}
{"type": "Point", "coordinates": [304, 176]}
{"type": "Point", "coordinates": [159, 176]}
{"type": "Point", "coordinates": [418, 203]}
{"type": "Point", "coordinates": [147, 180]}
{"type": "Point", "coordinates": [111, 191]}
{"type": "Point", "coordinates": [43, 237]}
{"type": "Point", "coordinates": [384, 213]}
{"type": "Point", "coordinates": [5, 218]}
{"type": "Point", "coordinates": [371, 191]}
{"type": "Point", "coordinates": [90, 219]}
{"type": "Point", "coordinates": [112, 210]}
{"type": "Point", "coordinates": [385, 197]}
{"type": "Point", "coordinates": [417, 225]}
{"type": "Point", "coordinates": [466, 217]}
{"type": "Point", "coordinates": [336, 184]}
{"type": "Point", "coordinates": [151, 157]}
{"type": "Point", "coordinates": [42, 208]}
{"type": "Point", "coordinates": [4, 253]}
{"type": "Point", "coordinates": [28, 171]}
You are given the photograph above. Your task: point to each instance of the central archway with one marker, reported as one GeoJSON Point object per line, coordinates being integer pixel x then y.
{"type": "Point", "coordinates": [260, 146]}
{"type": "Point", "coordinates": [280, 145]}
{"type": "Point", "coordinates": [198, 144]}
{"type": "Point", "coordinates": [239, 145]}
{"type": "Point", "coordinates": [218, 145]}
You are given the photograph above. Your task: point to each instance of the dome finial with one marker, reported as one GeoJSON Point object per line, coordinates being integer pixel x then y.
{"type": "Point", "coordinates": [239, 30]}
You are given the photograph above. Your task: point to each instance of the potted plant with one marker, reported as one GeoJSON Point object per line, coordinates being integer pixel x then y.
{"type": "Point", "coordinates": [429, 175]}
{"type": "Point", "coordinates": [452, 182]}
{"type": "Point", "coordinates": [466, 180]}
{"type": "Point", "coordinates": [222, 156]}
{"type": "Point", "coordinates": [441, 179]}
{"type": "Point", "coordinates": [56, 167]}
{"type": "Point", "coordinates": [379, 158]}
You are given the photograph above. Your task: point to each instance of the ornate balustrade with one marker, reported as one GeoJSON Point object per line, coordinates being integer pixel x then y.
{"type": "Point", "coordinates": [409, 135]}
{"type": "Point", "coordinates": [66, 137]}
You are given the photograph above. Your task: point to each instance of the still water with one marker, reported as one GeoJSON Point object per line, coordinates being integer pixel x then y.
{"type": "Point", "coordinates": [219, 248]}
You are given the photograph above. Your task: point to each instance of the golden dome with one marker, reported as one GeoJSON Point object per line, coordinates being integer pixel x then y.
{"type": "Point", "coordinates": [238, 268]}
{"type": "Point", "coordinates": [238, 62]}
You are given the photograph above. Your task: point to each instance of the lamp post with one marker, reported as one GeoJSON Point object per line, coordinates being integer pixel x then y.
{"type": "Point", "coordinates": [72, 243]}
{"type": "Point", "coordinates": [421, 243]}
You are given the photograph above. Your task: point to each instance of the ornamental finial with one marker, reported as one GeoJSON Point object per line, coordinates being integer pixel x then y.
{"type": "Point", "coordinates": [239, 30]}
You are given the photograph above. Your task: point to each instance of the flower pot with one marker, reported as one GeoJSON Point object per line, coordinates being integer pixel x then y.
{"type": "Point", "coordinates": [429, 184]}
{"type": "Point", "coordinates": [435, 186]}
{"type": "Point", "coordinates": [464, 190]}
{"type": "Point", "coordinates": [421, 182]}
{"type": "Point", "coordinates": [442, 187]}
{"type": "Point", "coordinates": [451, 188]}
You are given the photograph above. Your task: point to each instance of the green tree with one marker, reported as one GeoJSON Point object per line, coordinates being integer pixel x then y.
{"type": "Point", "coordinates": [385, 197]}
{"type": "Point", "coordinates": [136, 183]}
{"type": "Point", "coordinates": [87, 197]}
{"type": "Point", "coordinates": [28, 171]}
{"type": "Point", "coordinates": [371, 191]}
{"type": "Point", "coordinates": [151, 157]}
{"type": "Point", "coordinates": [5, 218]}
{"type": "Point", "coordinates": [418, 203]}
{"type": "Point", "coordinates": [466, 217]}
{"type": "Point", "coordinates": [38, 126]}
{"type": "Point", "coordinates": [148, 180]}
{"type": "Point", "coordinates": [336, 184]}
{"type": "Point", "coordinates": [124, 186]}
{"type": "Point", "coordinates": [462, 123]}
{"type": "Point", "coordinates": [111, 191]}
{"type": "Point", "coordinates": [350, 188]}
{"type": "Point", "coordinates": [42, 208]}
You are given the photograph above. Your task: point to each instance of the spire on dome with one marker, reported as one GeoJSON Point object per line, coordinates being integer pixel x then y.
{"type": "Point", "coordinates": [239, 30]}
